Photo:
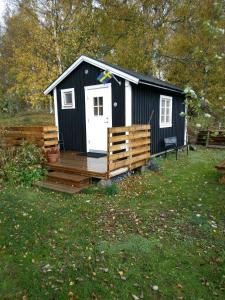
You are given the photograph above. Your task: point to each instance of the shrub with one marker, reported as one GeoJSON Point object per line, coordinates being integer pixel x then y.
{"type": "Point", "coordinates": [153, 165]}
{"type": "Point", "coordinates": [110, 190]}
{"type": "Point", "coordinates": [107, 190]}
{"type": "Point", "coordinates": [21, 165]}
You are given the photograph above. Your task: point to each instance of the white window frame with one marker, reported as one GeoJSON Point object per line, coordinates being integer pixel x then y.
{"type": "Point", "coordinates": [63, 105]}
{"type": "Point", "coordinates": [166, 124]}
{"type": "Point", "coordinates": [98, 106]}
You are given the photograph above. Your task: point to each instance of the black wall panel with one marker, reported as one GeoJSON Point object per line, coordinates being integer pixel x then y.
{"type": "Point", "coordinates": [145, 99]}
{"type": "Point", "coordinates": [72, 121]}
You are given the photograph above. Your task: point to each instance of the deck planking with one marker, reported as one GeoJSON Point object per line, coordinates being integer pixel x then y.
{"type": "Point", "coordinates": [87, 166]}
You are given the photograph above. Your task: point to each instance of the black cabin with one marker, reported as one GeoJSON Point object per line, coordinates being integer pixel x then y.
{"type": "Point", "coordinates": [85, 108]}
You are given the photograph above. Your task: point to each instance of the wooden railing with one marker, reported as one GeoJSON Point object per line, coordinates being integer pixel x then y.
{"type": "Point", "coordinates": [44, 137]}
{"type": "Point", "coordinates": [128, 148]}
{"type": "Point", "coordinates": [212, 138]}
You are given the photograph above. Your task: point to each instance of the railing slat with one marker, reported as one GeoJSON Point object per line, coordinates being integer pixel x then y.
{"type": "Point", "coordinates": [44, 137]}
{"type": "Point", "coordinates": [135, 142]}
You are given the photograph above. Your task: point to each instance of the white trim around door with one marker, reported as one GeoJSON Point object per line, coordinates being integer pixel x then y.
{"type": "Point", "coordinates": [98, 116]}
{"type": "Point", "coordinates": [128, 103]}
{"type": "Point", "coordinates": [56, 107]}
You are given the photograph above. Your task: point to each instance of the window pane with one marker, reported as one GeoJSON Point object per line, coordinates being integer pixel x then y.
{"type": "Point", "coordinates": [100, 101]}
{"type": "Point", "coordinates": [167, 111]}
{"type": "Point", "coordinates": [163, 103]}
{"type": "Point", "coordinates": [68, 98]}
{"type": "Point", "coordinates": [100, 111]}
{"type": "Point", "coordinates": [95, 111]}
{"type": "Point", "coordinates": [95, 101]}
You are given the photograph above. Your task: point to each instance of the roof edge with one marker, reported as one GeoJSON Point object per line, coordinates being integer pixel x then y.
{"type": "Point", "coordinates": [93, 62]}
{"type": "Point", "coordinates": [178, 90]}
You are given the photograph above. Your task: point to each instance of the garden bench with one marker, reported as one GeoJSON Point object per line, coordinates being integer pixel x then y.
{"type": "Point", "coordinates": [170, 143]}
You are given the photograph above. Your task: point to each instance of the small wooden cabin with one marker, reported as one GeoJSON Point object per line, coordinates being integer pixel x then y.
{"type": "Point", "coordinates": [85, 108]}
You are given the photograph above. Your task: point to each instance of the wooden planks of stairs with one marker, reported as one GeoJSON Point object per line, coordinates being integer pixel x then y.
{"type": "Point", "coordinates": [58, 187]}
{"type": "Point", "coordinates": [68, 178]}
{"type": "Point", "coordinates": [65, 182]}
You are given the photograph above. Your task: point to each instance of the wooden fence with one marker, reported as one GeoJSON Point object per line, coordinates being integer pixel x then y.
{"type": "Point", "coordinates": [128, 148]}
{"type": "Point", "coordinates": [44, 137]}
{"type": "Point", "coordinates": [212, 138]}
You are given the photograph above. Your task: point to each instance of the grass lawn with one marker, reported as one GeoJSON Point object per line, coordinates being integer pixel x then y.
{"type": "Point", "coordinates": [161, 229]}
{"type": "Point", "coordinates": [27, 118]}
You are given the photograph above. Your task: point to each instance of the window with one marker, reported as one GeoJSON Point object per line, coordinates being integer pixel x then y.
{"type": "Point", "coordinates": [98, 106]}
{"type": "Point", "coordinates": [165, 112]}
{"type": "Point", "coordinates": [68, 98]}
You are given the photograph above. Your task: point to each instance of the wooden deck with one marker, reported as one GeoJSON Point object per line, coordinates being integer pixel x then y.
{"type": "Point", "coordinates": [127, 149]}
{"type": "Point", "coordinates": [75, 162]}
{"type": "Point", "coordinates": [74, 172]}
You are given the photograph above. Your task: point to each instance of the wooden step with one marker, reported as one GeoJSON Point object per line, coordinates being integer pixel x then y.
{"type": "Point", "coordinates": [59, 187]}
{"type": "Point", "coordinates": [68, 178]}
{"type": "Point", "coordinates": [74, 170]}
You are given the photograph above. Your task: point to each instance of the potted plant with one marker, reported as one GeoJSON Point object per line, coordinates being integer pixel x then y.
{"type": "Point", "coordinates": [53, 155]}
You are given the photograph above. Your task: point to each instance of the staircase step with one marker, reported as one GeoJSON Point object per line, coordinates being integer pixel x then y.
{"type": "Point", "coordinates": [57, 167]}
{"type": "Point", "coordinates": [59, 187]}
{"type": "Point", "coordinates": [68, 178]}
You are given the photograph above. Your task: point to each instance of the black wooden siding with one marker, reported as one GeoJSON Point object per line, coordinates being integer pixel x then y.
{"type": "Point", "coordinates": [145, 99]}
{"type": "Point", "coordinates": [72, 121]}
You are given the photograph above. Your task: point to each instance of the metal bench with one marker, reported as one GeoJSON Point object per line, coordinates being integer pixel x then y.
{"type": "Point", "coordinates": [170, 143]}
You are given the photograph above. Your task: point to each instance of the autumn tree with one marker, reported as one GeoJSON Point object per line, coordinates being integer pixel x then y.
{"type": "Point", "coordinates": [195, 52]}
{"type": "Point", "coordinates": [179, 41]}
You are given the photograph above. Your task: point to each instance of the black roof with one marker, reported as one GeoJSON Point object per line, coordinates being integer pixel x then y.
{"type": "Point", "coordinates": [144, 78]}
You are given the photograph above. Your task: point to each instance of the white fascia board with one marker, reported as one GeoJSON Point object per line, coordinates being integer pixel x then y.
{"type": "Point", "coordinates": [161, 87]}
{"type": "Point", "coordinates": [63, 75]}
{"type": "Point", "coordinates": [94, 63]}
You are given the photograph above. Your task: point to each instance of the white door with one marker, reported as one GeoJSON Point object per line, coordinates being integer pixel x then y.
{"type": "Point", "coordinates": [98, 107]}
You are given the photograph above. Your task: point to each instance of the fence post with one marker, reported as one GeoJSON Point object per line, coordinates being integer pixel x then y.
{"type": "Point", "coordinates": [207, 140]}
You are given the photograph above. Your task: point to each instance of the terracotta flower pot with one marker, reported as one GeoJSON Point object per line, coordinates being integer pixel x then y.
{"type": "Point", "coordinates": [53, 157]}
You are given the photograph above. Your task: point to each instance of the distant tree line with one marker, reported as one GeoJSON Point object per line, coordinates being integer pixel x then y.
{"type": "Point", "coordinates": [181, 41]}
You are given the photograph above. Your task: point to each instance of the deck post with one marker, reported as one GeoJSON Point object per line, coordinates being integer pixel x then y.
{"type": "Point", "coordinates": [108, 152]}
{"type": "Point", "coordinates": [130, 147]}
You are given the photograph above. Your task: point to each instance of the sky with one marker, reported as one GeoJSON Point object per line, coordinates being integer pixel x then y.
{"type": "Point", "coordinates": [2, 8]}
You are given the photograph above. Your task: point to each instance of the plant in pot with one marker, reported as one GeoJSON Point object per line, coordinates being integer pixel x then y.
{"type": "Point", "coordinates": [53, 155]}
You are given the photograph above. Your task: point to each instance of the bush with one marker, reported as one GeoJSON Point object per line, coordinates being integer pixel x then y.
{"type": "Point", "coordinates": [110, 190]}
{"type": "Point", "coordinates": [107, 190]}
{"type": "Point", "coordinates": [21, 165]}
{"type": "Point", "coordinates": [153, 165]}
